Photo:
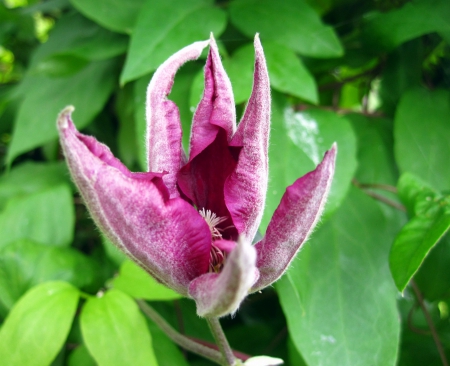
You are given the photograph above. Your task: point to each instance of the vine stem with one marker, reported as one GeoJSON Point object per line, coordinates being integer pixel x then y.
{"type": "Point", "coordinates": [221, 340]}
{"type": "Point", "coordinates": [178, 338]}
{"type": "Point", "coordinates": [427, 315]}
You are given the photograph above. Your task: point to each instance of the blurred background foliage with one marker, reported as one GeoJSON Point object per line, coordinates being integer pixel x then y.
{"type": "Point", "coordinates": [372, 285]}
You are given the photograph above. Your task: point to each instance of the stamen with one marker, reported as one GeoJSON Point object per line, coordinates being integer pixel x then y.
{"type": "Point", "coordinates": [217, 256]}
{"type": "Point", "coordinates": [212, 220]}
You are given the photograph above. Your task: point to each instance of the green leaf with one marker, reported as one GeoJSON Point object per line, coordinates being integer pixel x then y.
{"type": "Point", "coordinates": [46, 217]}
{"type": "Point", "coordinates": [239, 68]}
{"type": "Point", "coordinates": [291, 23]}
{"type": "Point", "coordinates": [298, 142]}
{"type": "Point", "coordinates": [422, 136]}
{"type": "Point", "coordinates": [60, 65]}
{"type": "Point", "coordinates": [81, 357]}
{"type": "Point", "coordinates": [137, 283]}
{"type": "Point", "coordinates": [88, 90]}
{"type": "Point", "coordinates": [388, 30]}
{"type": "Point", "coordinates": [430, 222]}
{"type": "Point", "coordinates": [118, 16]}
{"type": "Point", "coordinates": [375, 152]}
{"type": "Point", "coordinates": [174, 25]}
{"type": "Point", "coordinates": [37, 326]}
{"type": "Point", "coordinates": [31, 177]}
{"type": "Point", "coordinates": [433, 275]}
{"type": "Point", "coordinates": [288, 74]}
{"type": "Point", "coordinates": [112, 252]}
{"type": "Point", "coordinates": [338, 298]}
{"type": "Point", "coordinates": [115, 332]}
{"type": "Point", "coordinates": [75, 35]}
{"type": "Point", "coordinates": [403, 71]}
{"type": "Point", "coordinates": [24, 264]}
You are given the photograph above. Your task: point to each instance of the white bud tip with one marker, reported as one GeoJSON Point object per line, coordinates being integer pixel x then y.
{"type": "Point", "coordinates": [64, 116]}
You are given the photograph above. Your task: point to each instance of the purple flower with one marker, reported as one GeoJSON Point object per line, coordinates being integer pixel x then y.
{"type": "Point", "coordinates": [189, 222]}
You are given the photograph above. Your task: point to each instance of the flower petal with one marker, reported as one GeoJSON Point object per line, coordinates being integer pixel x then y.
{"type": "Point", "coordinates": [293, 221]}
{"type": "Point", "coordinates": [216, 109]}
{"type": "Point", "coordinates": [167, 237]}
{"type": "Point", "coordinates": [221, 294]}
{"type": "Point", "coordinates": [245, 189]}
{"type": "Point", "coordinates": [164, 132]}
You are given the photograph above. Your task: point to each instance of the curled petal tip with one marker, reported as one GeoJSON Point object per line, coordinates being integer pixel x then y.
{"type": "Point", "coordinates": [64, 116]}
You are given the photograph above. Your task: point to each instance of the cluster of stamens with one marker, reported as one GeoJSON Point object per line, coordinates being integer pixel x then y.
{"type": "Point", "coordinates": [216, 255]}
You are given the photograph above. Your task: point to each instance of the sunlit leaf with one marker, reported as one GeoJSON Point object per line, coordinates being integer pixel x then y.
{"type": "Point", "coordinates": [37, 326]}
{"type": "Point", "coordinates": [115, 332]}
{"type": "Point", "coordinates": [134, 281]}
{"type": "Point", "coordinates": [46, 217]}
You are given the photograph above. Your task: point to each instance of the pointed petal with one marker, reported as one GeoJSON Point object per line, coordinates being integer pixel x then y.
{"type": "Point", "coordinates": [167, 237]}
{"type": "Point", "coordinates": [221, 294]}
{"type": "Point", "coordinates": [245, 189]}
{"type": "Point", "coordinates": [216, 109]}
{"type": "Point", "coordinates": [293, 221]}
{"type": "Point", "coordinates": [164, 150]}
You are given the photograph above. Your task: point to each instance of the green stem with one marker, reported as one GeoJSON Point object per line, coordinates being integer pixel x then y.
{"type": "Point", "coordinates": [221, 340]}
{"type": "Point", "coordinates": [178, 338]}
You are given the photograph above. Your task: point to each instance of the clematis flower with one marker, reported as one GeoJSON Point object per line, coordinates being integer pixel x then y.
{"type": "Point", "coordinates": [189, 221]}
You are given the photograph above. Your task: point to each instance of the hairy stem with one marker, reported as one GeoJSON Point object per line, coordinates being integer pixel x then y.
{"type": "Point", "coordinates": [178, 338]}
{"type": "Point", "coordinates": [427, 315]}
{"type": "Point", "coordinates": [221, 340]}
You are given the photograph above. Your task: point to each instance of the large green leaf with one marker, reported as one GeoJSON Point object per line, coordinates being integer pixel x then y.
{"type": "Point", "coordinates": [115, 332]}
{"type": "Point", "coordinates": [75, 35]}
{"type": "Point", "coordinates": [24, 264]}
{"type": "Point", "coordinates": [415, 18]}
{"type": "Point", "coordinates": [429, 222]}
{"type": "Point", "coordinates": [87, 90]}
{"type": "Point", "coordinates": [46, 217]}
{"type": "Point", "coordinates": [287, 72]}
{"type": "Point", "coordinates": [37, 326]}
{"type": "Point", "coordinates": [164, 27]}
{"type": "Point", "coordinates": [134, 281]}
{"type": "Point", "coordinates": [118, 16]}
{"type": "Point", "coordinates": [338, 297]}
{"type": "Point", "coordinates": [297, 144]}
{"type": "Point", "coordinates": [292, 23]}
{"type": "Point", "coordinates": [422, 136]}
{"type": "Point", "coordinates": [31, 177]}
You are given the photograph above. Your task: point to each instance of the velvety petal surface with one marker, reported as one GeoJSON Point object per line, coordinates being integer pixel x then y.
{"type": "Point", "coordinates": [167, 237]}
{"type": "Point", "coordinates": [164, 132]}
{"type": "Point", "coordinates": [216, 108]}
{"type": "Point", "coordinates": [221, 294]}
{"type": "Point", "coordinates": [245, 189]}
{"type": "Point", "coordinates": [211, 161]}
{"type": "Point", "coordinates": [293, 221]}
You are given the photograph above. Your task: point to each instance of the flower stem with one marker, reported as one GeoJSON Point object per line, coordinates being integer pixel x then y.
{"type": "Point", "coordinates": [178, 338]}
{"type": "Point", "coordinates": [221, 340]}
